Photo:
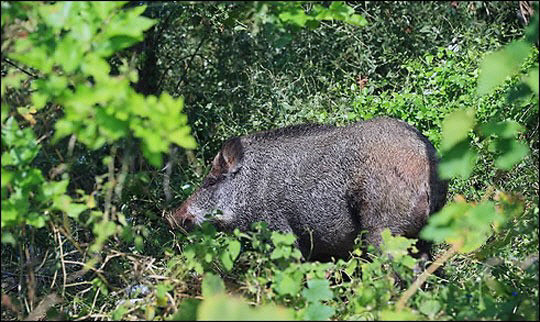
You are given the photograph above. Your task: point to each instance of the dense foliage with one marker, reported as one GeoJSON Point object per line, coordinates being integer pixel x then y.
{"type": "Point", "coordinates": [111, 112]}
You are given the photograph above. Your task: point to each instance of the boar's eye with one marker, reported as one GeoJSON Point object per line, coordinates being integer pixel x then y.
{"type": "Point", "coordinates": [210, 181]}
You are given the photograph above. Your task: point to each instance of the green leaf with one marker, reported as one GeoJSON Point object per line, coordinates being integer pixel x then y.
{"type": "Point", "coordinates": [68, 54]}
{"type": "Point", "coordinates": [279, 238]}
{"type": "Point", "coordinates": [357, 20]}
{"type": "Point", "coordinates": [458, 161]}
{"type": "Point", "coordinates": [104, 229]}
{"type": "Point", "coordinates": [276, 253]}
{"type": "Point", "coordinates": [318, 312]}
{"type": "Point", "coordinates": [226, 308]}
{"type": "Point", "coordinates": [288, 282]}
{"type": "Point", "coordinates": [6, 176]}
{"type": "Point", "coordinates": [111, 126]}
{"type": "Point", "coordinates": [36, 220]}
{"type": "Point", "coordinates": [512, 152]}
{"type": "Point", "coordinates": [430, 308]}
{"type": "Point", "coordinates": [463, 225]}
{"type": "Point", "coordinates": [39, 99]}
{"type": "Point", "coordinates": [105, 8]}
{"type": "Point", "coordinates": [456, 127]}
{"type": "Point", "coordinates": [532, 80]}
{"type": "Point", "coordinates": [318, 290]}
{"type": "Point", "coordinates": [295, 15]}
{"type": "Point", "coordinates": [234, 249]}
{"type": "Point", "coordinates": [7, 238]}
{"type": "Point", "coordinates": [402, 315]}
{"type": "Point", "coordinates": [340, 10]}
{"type": "Point", "coordinates": [119, 312]}
{"type": "Point", "coordinates": [212, 285]}
{"type": "Point", "coordinates": [5, 110]}
{"type": "Point", "coordinates": [64, 203]}
{"type": "Point", "coordinates": [505, 129]}
{"type": "Point", "coordinates": [161, 293]}
{"type": "Point", "coordinates": [96, 66]}
{"type": "Point", "coordinates": [29, 179]}
{"type": "Point", "coordinates": [10, 213]}
{"type": "Point", "coordinates": [398, 248]}
{"type": "Point", "coordinates": [55, 15]}
{"type": "Point", "coordinates": [139, 243]}
{"type": "Point", "coordinates": [497, 66]}
{"type": "Point", "coordinates": [187, 310]}
{"type": "Point", "coordinates": [55, 188]}
{"type": "Point", "coordinates": [226, 260]}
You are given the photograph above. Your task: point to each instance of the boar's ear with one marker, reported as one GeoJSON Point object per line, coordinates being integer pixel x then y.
{"type": "Point", "coordinates": [229, 159]}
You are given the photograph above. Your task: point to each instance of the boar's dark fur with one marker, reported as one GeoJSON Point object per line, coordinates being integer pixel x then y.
{"type": "Point", "coordinates": [323, 183]}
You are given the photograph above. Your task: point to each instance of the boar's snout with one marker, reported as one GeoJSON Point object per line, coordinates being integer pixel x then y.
{"type": "Point", "coordinates": [182, 218]}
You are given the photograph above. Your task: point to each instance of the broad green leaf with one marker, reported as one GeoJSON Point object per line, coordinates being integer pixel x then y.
{"type": "Point", "coordinates": [105, 8]}
{"type": "Point", "coordinates": [505, 129]}
{"type": "Point", "coordinates": [68, 54]}
{"type": "Point", "coordinates": [32, 55]}
{"type": "Point", "coordinates": [10, 215]}
{"type": "Point", "coordinates": [532, 80]}
{"type": "Point", "coordinates": [277, 253]}
{"type": "Point", "coordinates": [458, 161]}
{"type": "Point", "coordinates": [497, 66]}
{"type": "Point", "coordinates": [463, 224]}
{"type": "Point", "coordinates": [288, 282]}
{"type": "Point", "coordinates": [7, 238]}
{"type": "Point", "coordinates": [226, 260]}
{"type": "Point", "coordinates": [430, 308]}
{"type": "Point", "coordinates": [340, 10]}
{"type": "Point", "coordinates": [36, 220]}
{"type": "Point", "coordinates": [120, 311]}
{"type": "Point", "coordinates": [55, 188]}
{"type": "Point", "coordinates": [212, 285]}
{"type": "Point", "coordinates": [96, 66]}
{"type": "Point", "coordinates": [295, 15]}
{"type": "Point", "coordinates": [139, 243]}
{"type": "Point", "coordinates": [478, 227]}
{"type": "Point", "coordinates": [187, 310]}
{"type": "Point", "coordinates": [6, 176]}
{"type": "Point", "coordinates": [403, 315]}
{"type": "Point", "coordinates": [55, 15]}
{"type": "Point", "coordinates": [39, 99]}
{"type": "Point", "coordinates": [111, 126]}
{"type": "Point", "coordinates": [398, 248]}
{"type": "Point", "coordinates": [318, 290]}
{"type": "Point", "coordinates": [104, 229]}
{"type": "Point", "coordinates": [512, 152]}
{"type": "Point", "coordinates": [357, 20]}
{"type": "Point", "coordinates": [456, 127]}
{"type": "Point", "coordinates": [227, 308]}
{"type": "Point", "coordinates": [279, 238]}
{"type": "Point", "coordinates": [318, 312]}
{"type": "Point", "coordinates": [5, 110]}
{"type": "Point", "coordinates": [182, 137]}
{"type": "Point", "coordinates": [27, 180]}
{"type": "Point", "coordinates": [161, 293]}
{"type": "Point", "coordinates": [234, 249]}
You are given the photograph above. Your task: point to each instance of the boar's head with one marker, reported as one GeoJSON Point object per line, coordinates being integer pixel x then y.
{"type": "Point", "coordinates": [215, 196]}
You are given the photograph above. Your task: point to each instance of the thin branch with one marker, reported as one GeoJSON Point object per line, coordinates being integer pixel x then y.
{"type": "Point", "coordinates": [20, 68]}
{"type": "Point", "coordinates": [190, 61]}
{"type": "Point", "coordinates": [424, 276]}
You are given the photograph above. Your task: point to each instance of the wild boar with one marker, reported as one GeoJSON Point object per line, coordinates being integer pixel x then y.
{"type": "Point", "coordinates": [323, 183]}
